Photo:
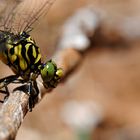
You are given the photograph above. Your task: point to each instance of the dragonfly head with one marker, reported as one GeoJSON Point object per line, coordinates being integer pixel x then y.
{"type": "Point", "coordinates": [51, 75]}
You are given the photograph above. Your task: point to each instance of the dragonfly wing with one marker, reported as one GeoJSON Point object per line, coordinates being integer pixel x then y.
{"type": "Point", "coordinates": [19, 15]}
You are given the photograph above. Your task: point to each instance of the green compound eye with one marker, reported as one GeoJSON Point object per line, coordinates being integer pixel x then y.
{"type": "Point", "coordinates": [48, 71]}
{"type": "Point", "coordinates": [50, 74]}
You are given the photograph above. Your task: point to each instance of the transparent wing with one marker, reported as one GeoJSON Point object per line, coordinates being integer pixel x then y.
{"type": "Point", "coordinates": [7, 12]}
{"type": "Point", "coordinates": [21, 14]}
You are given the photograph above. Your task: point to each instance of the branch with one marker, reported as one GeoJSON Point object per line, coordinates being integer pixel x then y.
{"type": "Point", "coordinates": [15, 108]}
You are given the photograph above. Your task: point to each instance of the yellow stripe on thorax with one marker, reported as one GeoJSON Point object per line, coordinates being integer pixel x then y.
{"type": "Point", "coordinates": [29, 39]}
{"type": "Point", "coordinates": [34, 51]}
{"type": "Point", "coordinates": [26, 53]}
{"type": "Point", "coordinates": [38, 56]}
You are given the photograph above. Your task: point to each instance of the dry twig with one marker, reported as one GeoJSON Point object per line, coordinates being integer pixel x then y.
{"type": "Point", "coordinates": [15, 108]}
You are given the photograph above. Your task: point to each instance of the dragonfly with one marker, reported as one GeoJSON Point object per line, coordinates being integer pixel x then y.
{"type": "Point", "coordinates": [19, 50]}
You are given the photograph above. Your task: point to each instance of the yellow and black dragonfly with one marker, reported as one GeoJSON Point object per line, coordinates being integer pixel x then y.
{"type": "Point", "coordinates": [19, 51]}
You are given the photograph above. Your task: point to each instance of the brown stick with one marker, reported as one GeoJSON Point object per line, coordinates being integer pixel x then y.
{"type": "Point", "coordinates": [15, 108]}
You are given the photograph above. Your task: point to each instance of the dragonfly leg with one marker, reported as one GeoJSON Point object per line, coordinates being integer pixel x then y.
{"type": "Point", "coordinates": [4, 82]}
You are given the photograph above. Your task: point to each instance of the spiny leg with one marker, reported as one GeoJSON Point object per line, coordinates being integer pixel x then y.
{"type": "Point", "coordinates": [6, 92]}
{"type": "Point", "coordinates": [34, 91]}
{"type": "Point", "coordinates": [19, 81]}
{"type": "Point", "coordinates": [7, 80]}
{"type": "Point", "coordinates": [4, 83]}
{"type": "Point", "coordinates": [30, 91]}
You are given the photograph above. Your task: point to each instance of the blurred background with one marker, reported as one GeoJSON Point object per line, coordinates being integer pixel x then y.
{"type": "Point", "coordinates": [100, 99]}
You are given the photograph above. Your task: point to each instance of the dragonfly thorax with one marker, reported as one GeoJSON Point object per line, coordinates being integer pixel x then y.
{"type": "Point", "coordinates": [20, 53]}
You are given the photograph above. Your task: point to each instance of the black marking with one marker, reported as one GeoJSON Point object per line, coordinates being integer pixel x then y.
{"type": "Point", "coordinates": [12, 51]}
{"type": "Point", "coordinates": [30, 54]}
{"type": "Point", "coordinates": [23, 53]}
